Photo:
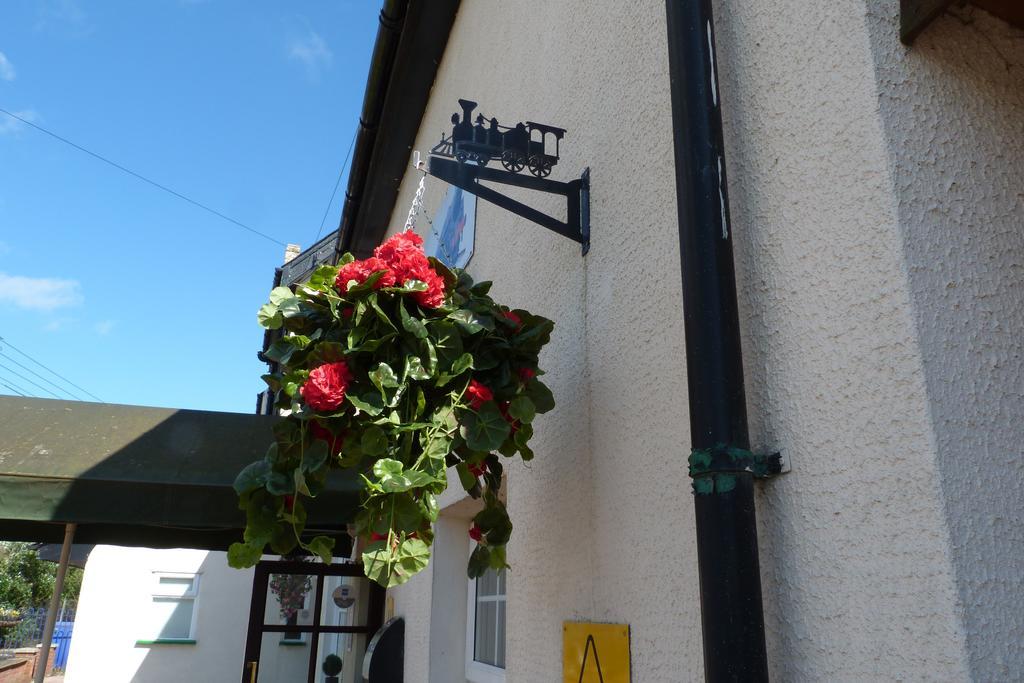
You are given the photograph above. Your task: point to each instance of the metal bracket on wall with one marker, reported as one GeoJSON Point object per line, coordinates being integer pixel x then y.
{"type": "Point", "coordinates": [576, 192]}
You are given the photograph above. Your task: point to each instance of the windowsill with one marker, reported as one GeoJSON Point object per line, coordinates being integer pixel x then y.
{"type": "Point", "coordinates": [478, 672]}
{"type": "Point", "coordinates": [292, 643]}
{"type": "Point", "coordinates": [167, 641]}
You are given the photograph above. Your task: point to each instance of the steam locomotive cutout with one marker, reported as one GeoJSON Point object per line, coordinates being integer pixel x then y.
{"type": "Point", "coordinates": [525, 145]}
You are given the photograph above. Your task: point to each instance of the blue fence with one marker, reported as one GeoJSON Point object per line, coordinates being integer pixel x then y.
{"type": "Point", "coordinates": [62, 638]}
{"type": "Point", "coordinates": [29, 631]}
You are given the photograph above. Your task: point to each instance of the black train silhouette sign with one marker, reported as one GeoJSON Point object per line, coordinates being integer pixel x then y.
{"type": "Point", "coordinates": [461, 159]}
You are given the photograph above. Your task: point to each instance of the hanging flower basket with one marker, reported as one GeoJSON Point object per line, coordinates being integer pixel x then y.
{"type": "Point", "coordinates": [9, 617]}
{"type": "Point", "coordinates": [398, 368]}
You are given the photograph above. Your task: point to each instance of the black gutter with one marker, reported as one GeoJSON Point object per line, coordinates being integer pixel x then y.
{"type": "Point", "coordinates": [410, 42]}
{"type": "Point", "coordinates": [730, 580]}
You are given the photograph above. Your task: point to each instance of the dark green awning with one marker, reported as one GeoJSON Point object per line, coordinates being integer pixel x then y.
{"type": "Point", "coordinates": [129, 475]}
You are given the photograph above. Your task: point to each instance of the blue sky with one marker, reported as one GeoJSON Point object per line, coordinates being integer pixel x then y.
{"type": "Point", "coordinates": [248, 107]}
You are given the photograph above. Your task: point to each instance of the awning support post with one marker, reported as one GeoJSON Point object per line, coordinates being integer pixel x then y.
{"type": "Point", "coordinates": [51, 614]}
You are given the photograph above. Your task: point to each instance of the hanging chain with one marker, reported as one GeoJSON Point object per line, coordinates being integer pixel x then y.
{"type": "Point", "coordinates": [418, 207]}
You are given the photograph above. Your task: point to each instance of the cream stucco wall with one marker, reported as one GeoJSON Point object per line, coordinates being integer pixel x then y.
{"type": "Point", "coordinates": [881, 337]}
{"type": "Point", "coordinates": [953, 115]}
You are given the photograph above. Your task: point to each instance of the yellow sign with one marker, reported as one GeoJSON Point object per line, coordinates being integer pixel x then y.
{"type": "Point", "coordinates": [595, 653]}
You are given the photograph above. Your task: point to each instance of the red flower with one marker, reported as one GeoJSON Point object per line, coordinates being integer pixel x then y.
{"type": "Point", "coordinates": [400, 248]}
{"type": "Point", "coordinates": [478, 470]}
{"type": "Point", "coordinates": [289, 503]}
{"type": "Point", "coordinates": [361, 270]}
{"type": "Point", "coordinates": [403, 255]}
{"type": "Point", "coordinates": [374, 536]}
{"type": "Point", "coordinates": [334, 441]}
{"type": "Point", "coordinates": [478, 394]}
{"type": "Point", "coordinates": [325, 388]}
{"type": "Point", "coordinates": [526, 374]}
{"type": "Point", "coordinates": [476, 533]}
{"type": "Point", "coordinates": [515, 319]}
{"type": "Point", "coordinates": [348, 312]}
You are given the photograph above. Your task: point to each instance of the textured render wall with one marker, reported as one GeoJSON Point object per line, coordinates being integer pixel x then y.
{"type": "Point", "coordinates": [112, 612]}
{"type": "Point", "coordinates": [603, 517]}
{"type": "Point", "coordinates": [858, 583]}
{"type": "Point", "coordinates": [855, 545]}
{"type": "Point", "coordinates": [953, 114]}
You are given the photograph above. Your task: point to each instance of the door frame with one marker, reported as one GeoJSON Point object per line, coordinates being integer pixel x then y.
{"type": "Point", "coordinates": [319, 570]}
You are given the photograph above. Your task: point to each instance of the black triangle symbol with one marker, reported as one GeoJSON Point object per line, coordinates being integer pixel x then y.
{"type": "Point", "coordinates": [597, 661]}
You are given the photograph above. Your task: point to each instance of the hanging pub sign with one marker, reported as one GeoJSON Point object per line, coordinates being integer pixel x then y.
{"type": "Point", "coordinates": [528, 152]}
{"type": "Point", "coordinates": [453, 236]}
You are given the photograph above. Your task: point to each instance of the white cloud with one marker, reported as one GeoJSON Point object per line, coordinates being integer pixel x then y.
{"type": "Point", "coordinates": [312, 51]}
{"type": "Point", "coordinates": [9, 124]}
{"type": "Point", "coordinates": [104, 327]}
{"type": "Point", "coordinates": [39, 293]}
{"type": "Point", "coordinates": [6, 68]}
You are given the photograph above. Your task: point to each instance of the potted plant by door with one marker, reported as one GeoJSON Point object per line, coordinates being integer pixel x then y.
{"type": "Point", "coordinates": [402, 370]}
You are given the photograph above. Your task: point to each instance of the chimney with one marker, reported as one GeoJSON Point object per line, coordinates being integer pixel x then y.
{"type": "Point", "coordinates": [291, 251]}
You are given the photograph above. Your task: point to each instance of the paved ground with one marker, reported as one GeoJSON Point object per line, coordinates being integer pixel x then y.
{"type": "Point", "coordinates": [59, 678]}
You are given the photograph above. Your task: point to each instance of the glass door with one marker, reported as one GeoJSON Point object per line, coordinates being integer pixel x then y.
{"type": "Point", "coordinates": [310, 621]}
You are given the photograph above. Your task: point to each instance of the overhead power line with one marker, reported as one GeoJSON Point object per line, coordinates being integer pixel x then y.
{"type": "Point", "coordinates": [337, 183]}
{"type": "Point", "coordinates": [36, 374]}
{"type": "Point", "coordinates": [18, 391]}
{"type": "Point", "coordinates": [23, 377]}
{"type": "Point", "coordinates": [144, 178]}
{"type": "Point", "coordinates": [51, 371]}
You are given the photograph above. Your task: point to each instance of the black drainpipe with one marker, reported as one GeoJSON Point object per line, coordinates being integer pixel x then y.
{"type": "Point", "coordinates": [730, 579]}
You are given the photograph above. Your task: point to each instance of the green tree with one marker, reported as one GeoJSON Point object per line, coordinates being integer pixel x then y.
{"type": "Point", "coordinates": [26, 581]}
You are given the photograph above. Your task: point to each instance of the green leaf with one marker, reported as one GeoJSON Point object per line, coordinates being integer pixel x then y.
{"type": "Point", "coordinates": [471, 322]}
{"type": "Point", "coordinates": [462, 363]}
{"type": "Point", "coordinates": [244, 555]}
{"type": "Point", "coordinates": [495, 523]}
{"type": "Point", "coordinates": [374, 441]}
{"type": "Point", "coordinates": [322, 546]}
{"type": "Point", "coordinates": [393, 567]}
{"type": "Point", "coordinates": [541, 396]}
{"type": "Point", "coordinates": [393, 478]}
{"type": "Point", "coordinates": [327, 352]}
{"type": "Point", "coordinates": [414, 368]}
{"type": "Point", "coordinates": [413, 326]}
{"type": "Point", "coordinates": [279, 295]}
{"type": "Point", "coordinates": [479, 562]}
{"type": "Point", "coordinates": [269, 317]}
{"type": "Point", "coordinates": [300, 482]}
{"type": "Point", "coordinates": [280, 484]}
{"type": "Point", "coordinates": [484, 430]}
{"type": "Point", "coordinates": [447, 342]}
{"type": "Point", "coordinates": [438, 447]}
{"type": "Point", "coordinates": [315, 455]}
{"type": "Point", "coordinates": [466, 477]}
{"type": "Point", "coordinates": [252, 477]}
{"type": "Point", "coordinates": [370, 403]}
{"type": "Point", "coordinates": [323, 277]}
{"type": "Point", "coordinates": [384, 377]}
{"type": "Point", "coordinates": [522, 409]}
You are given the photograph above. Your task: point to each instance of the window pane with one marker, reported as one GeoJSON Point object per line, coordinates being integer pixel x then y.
{"type": "Point", "coordinates": [486, 615]}
{"type": "Point", "coordinates": [500, 636]}
{"type": "Point", "coordinates": [172, 618]}
{"type": "Point", "coordinates": [174, 585]}
{"type": "Point", "coordinates": [487, 584]}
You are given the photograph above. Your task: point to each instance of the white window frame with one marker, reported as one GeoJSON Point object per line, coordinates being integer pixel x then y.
{"type": "Point", "coordinates": [478, 672]}
{"type": "Point", "coordinates": [192, 594]}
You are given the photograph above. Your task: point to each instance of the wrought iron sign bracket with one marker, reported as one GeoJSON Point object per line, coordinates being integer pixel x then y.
{"type": "Point", "coordinates": [576, 192]}
{"type": "Point", "coordinates": [461, 159]}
